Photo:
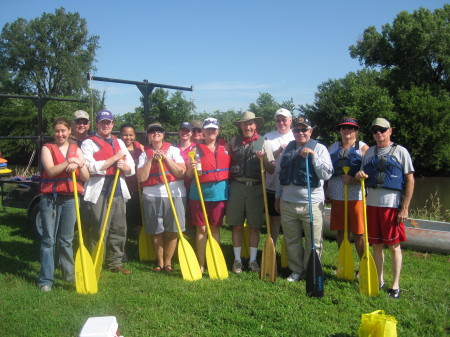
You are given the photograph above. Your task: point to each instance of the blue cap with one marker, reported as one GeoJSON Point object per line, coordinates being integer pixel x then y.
{"type": "Point", "coordinates": [186, 125]}
{"type": "Point", "coordinates": [104, 114]}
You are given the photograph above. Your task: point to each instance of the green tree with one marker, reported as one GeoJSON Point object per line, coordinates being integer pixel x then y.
{"type": "Point", "coordinates": [357, 95]}
{"type": "Point", "coordinates": [265, 107]}
{"type": "Point", "coordinates": [415, 48]}
{"type": "Point", "coordinates": [47, 56]}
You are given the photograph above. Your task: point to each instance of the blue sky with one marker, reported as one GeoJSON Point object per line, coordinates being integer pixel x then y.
{"type": "Point", "coordinates": [230, 51]}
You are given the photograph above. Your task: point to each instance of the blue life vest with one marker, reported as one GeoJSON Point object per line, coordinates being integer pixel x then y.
{"type": "Point", "coordinates": [348, 157]}
{"type": "Point", "coordinates": [385, 171]}
{"type": "Point", "coordinates": [293, 166]}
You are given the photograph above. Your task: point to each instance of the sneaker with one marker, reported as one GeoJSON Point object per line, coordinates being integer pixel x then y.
{"type": "Point", "coordinates": [237, 267]}
{"type": "Point", "coordinates": [253, 266]}
{"type": "Point", "coordinates": [394, 293]}
{"type": "Point", "coordinates": [294, 277]}
{"type": "Point", "coordinates": [382, 286]}
{"type": "Point", "coordinates": [46, 288]}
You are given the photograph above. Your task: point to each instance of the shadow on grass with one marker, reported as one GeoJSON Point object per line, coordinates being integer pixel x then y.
{"type": "Point", "coordinates": [17, 257]}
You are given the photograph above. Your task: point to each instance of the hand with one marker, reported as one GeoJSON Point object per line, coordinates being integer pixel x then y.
{"type": "Point", "coordinates": [260, 154]}
{"type": "Point", "coordinates": [346, 179]}
{"type": "Point", "coordinates": [402, 215]}
{"type": "Point", "coordinates": [361, 175]}
{"type": "Point", "coordinates": [71, 167]}
{"type": "Point", "coordinates": [121, 164]}
{"type": "Point", "coordinates": [277, 205]}
{"type": "Point", "coordinates": [305, 152]}
{"type": "Point", "coordinates": [119, 155]}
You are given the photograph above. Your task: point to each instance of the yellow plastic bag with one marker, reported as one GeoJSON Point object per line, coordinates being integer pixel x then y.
{"type": "Point", "coordinates": [377, 324]}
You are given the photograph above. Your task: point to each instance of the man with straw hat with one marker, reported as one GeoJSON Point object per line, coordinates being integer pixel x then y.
{"type": "Point", "coordinates": [246, 198]}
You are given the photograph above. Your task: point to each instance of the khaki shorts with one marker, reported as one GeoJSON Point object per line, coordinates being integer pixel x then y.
{"type": "Point", "coordinates": [245, 202]}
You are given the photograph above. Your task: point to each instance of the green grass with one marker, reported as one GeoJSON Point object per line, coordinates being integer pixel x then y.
{"type": "Point", "coordinates": [151, 304]}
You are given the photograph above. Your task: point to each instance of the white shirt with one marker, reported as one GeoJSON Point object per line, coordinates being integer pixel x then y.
{"type": "Point", "coordinates": [177, 188]}
{"type": "Point", "coordinates": [93, 187]}
{"type": "Point", "coordinates": [275, 140]}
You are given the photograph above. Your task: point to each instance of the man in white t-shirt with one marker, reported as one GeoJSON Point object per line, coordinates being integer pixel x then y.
{"type": "Point", "coordinates": [278, 140]}
{"type": "Point", "coordinates": [389, 174]}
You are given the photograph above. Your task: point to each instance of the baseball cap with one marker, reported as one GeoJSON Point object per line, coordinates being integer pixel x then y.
{"type": "Point", "coordinates": [348, 121]}
{"type": "Point", "coordinates": [210, 123]}
{"type": "Point", "coordinates": [155, 126]}
{"type": "Point", "coordinates": [80, 114]}
{"type": "Point", "coordinates": [381, 122]}
{"type": "Point", "coordinates": [283, 112]}
{"type": "Point", "coordinates": [197, 124]}
{"type": "Point", "coordinates": [186, 125]}
{"type": "Point", "coordinates": [104, 114]}
{"type": "Point", "coordinates": [301, 121]}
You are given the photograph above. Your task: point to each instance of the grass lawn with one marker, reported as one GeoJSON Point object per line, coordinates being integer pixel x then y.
{"type": "Point", "coordinates": [158, 304]}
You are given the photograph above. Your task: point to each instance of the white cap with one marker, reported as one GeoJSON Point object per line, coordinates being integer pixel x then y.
{"type": "Point", "coordinates": [283, 112]}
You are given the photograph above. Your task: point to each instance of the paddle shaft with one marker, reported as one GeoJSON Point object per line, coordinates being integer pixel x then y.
{"type": "Point", "coordinates": [266, 204]}
{"type": "Point", "coordinates": [345, 169]}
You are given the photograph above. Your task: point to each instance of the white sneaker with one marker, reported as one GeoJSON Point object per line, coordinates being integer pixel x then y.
{"type": "Point", "coordinates": [46, 288]}
{"type": "Point", "coordinates": [294, 277]}
{"type": "Point", "coordinates": [237, 267]}
{"type": "Point", "coordinates": [253, 266]}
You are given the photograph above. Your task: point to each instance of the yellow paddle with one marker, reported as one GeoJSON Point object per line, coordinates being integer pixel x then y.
{"type": "Point", "coordinates": [146, 252]}
{"type": "Point", "coordinates": [217, 267]}
{"type": "Point", "coordinates": [190, 268]}
{"type": "Point", "coordinates": [368, 277]}
{"type": "Point", "coordinates": [284, 261]}
{"type": "Point", "coordinates": [85, 280]}
{"type": "Point", "coordinates": [345, 265]}
{"type": "Point", "coordinates": [100, 247]}
{"type": "Point", "coordinates": [245, 250]}
{"type": "Point", "coordinates": [269, 255]}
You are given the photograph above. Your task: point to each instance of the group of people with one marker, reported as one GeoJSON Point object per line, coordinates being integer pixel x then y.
{"type": "Point", "coordinates": [231, 184]}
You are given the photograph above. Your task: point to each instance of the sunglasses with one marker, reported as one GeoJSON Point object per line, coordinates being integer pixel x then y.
{"type": "Point", "coordinates": [347, 127]}
{"type": "Point", "coordinates": [300, 130]}
{"type": "Point", "coordinates": [381, 130]}
{"type": "Point", "coordinates": [155, 131]}
{"type": "Point", "coordinates": [196, 130]}
{"type": "Point", "coordinates": [281, 120]}
{"type": "Point", "coordinates": [82, 121]}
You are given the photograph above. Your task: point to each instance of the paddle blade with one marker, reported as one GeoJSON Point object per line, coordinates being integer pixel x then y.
{"type": "Point", "coordinates": [190, 269]}
{"type": "Point", "coordinates": [284, 261]}
{"type": "Point", "coordinates": [85, 279]}
{"type": "Point", "coordinates": [269, 261]}
{"type": "Point", "coordinates": [314, 276]}
{"type": "Point", "coordinates": [217, 266]}
{"type": "Point", "coordinates": [345, 265]}
{"type": "Point", "coordinates": [245, 250]}
{"type": "Point", "coordinates": [368, 277]}
{"type": "Point", "coordinates": [98, 258]}
{"type": "Point", "coordinates": [146, 252]}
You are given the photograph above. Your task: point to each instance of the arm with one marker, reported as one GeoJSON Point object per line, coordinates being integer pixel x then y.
{"type": "Point", "coordinates": [83, 170]}
{"type": "Point", "coordinates": [407, 196]}
{"type": "Point", "coordinates": [191, 165]}
{"type": "Point", "coordinates": [49, 166]}
{"type": "Point", "coordinates": [178, 169]}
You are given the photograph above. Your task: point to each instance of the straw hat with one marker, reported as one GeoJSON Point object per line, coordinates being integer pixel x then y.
{"type": "Point", "coordinates": [248, 116]}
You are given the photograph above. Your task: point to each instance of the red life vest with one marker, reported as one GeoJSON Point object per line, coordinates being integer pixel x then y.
{"type": "Point", "coordinates": [155, 176]}
{"type": "Point", "coordinates": [215, 166]}
{"type": "Point", "coordinates": [106, 151]}
{"type": "Point", "coordinates": [62, 183]}
{"type": "Point", "coordinates": [132, 180]}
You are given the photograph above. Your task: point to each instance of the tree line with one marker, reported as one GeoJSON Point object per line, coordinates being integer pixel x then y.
{"type": "Point", "coordinates": [405, 79]}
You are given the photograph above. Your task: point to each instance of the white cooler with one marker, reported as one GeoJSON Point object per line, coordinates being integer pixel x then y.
{"type": "Point", "coordinates": [100, 327]}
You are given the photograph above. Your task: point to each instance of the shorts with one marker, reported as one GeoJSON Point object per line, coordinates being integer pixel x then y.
{"type": "Point", "coordinates": [214, 209]}
{"type": "Point", "coordinates": [271, 203]}
{"type": "Point", "coordinates": [245, 202]}
{"type": "Point", "coordinates": [355, 216]}
{"type": "Point", "coordinates": [383, 227]}
{"type": "Point", "coordinates": [159, 217]}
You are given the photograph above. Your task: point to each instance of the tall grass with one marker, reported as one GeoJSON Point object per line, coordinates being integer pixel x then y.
{"type": "Point", "coordinates": [160, 304]}
{"type": "Point", "coordinates": [433, 210]}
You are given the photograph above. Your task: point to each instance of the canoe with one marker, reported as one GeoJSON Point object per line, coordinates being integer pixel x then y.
{"type": "Point", "coordinates": [422, 235]}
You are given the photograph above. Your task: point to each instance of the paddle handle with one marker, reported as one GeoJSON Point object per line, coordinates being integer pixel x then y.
{"type": "Point", "coordinates": [346, 169]}
{"type": "Point", "coordinates": [80, 233]}
{"type": "Point", "coordinates": [308, 184]}
{"type": "Point", "coordinates": [266, 204]}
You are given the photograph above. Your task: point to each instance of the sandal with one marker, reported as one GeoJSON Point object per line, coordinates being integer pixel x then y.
{"type": "Point", "coordinates": [157, 269]}
{"type": "Point", "coordinates": [168, 268]}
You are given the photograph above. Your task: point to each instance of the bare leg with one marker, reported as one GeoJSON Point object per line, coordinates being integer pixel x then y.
{"type": "Point", "coordinates": [359, 244]}
{"type": "Point", "coordinates": [158, 247]}
{"type": "Point", "coordinates": [275, 222]}
{"type": "Point", "coordinates": [378, 257]}
{"type": "Point", "coordinates": [237, 236]}
{"type": "Point", "coordinates": [170, 244]}
{"type": "Point", "coordinates": [254, 237]}
{"type": "Point", "coordinates": [396, 260]}
{"type": "Point", "coordinates": [339, 238]}
{"type": "Point", "coordinates": [200, 241]}
{"type": "Point", "coordinates": [215, 231]}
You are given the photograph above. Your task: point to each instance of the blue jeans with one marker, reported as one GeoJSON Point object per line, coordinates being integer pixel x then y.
{"type": "Point", "coordinates": [58, 221]}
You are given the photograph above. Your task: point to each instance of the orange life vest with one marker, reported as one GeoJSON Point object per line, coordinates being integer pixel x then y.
{"type": "Point", "coordinates": [155, 176]}
{"type": "Point", "coordinates": [215, 166]}
{"type": "Point", "coordinates": [106, 151]}
{"type": "Point", "coordinates": [62, 183]}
